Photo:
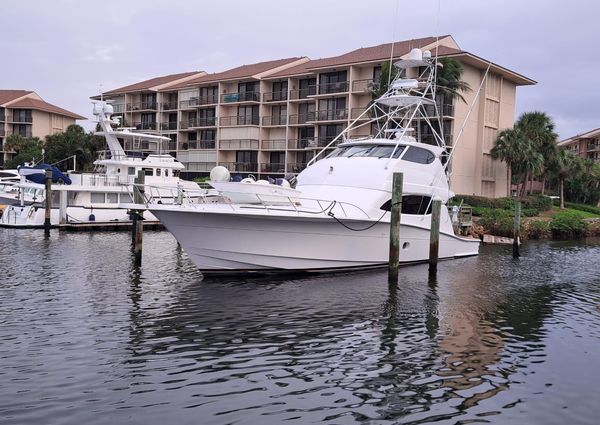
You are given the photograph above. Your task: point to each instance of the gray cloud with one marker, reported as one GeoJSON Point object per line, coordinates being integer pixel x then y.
{"type": "Point", "coordinates": [66, 49]}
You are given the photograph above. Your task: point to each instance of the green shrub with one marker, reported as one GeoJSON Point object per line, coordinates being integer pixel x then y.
{"type": "Point", "coordinates": [537, 201]}
{"type": "Point", "coordinates": [497, 222]}
{"type": "Point", "coordinates": [582, 207]}
{"type": "Point", "coordinates": [538, 229]}
{"type": "Point", "coordinates": [529, 212]}
{"type": "Point", "coordinates": [566, 224]}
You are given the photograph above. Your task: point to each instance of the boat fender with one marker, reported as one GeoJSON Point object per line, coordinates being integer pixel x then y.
{"type": "Point", "coordinates": [92, 217]}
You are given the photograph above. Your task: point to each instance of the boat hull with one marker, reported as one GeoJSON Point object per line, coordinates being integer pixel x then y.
{"type": "Point", "coordinates": [220, 242]}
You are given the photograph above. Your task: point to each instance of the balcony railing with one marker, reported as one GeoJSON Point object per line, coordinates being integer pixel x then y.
{"type": "Point", "coordinates": [592, 147]}
{"type": "Point", "coordinates": [296, 167]}
{"type": "Point", "coordinates": [430, 139]}
{"type": "Point", "coordinates": [247, 96]}
{"type": "Point", "coordinates": [244, 167]}
{"type": "Point", "coordinates": [272, 168]}
{"type": "Point", "coordinates": [273, 145]}
{"type": "Point", "coordinates": [24, 133]}
{"type": "Point", "coordinates": [300, 144]}
{"type": "Point", "coordinates": [235, 144]}
{"type": "Point", "coordinates": [446, 109]}
{"type": "Point", "coordinates": [21, 119]}
{"type": "Point", "coordinates": [356, 112]}
{"type": "Point", "coordinates": [145, 125]}
{"type": "Point", "coordinates": [276, 96]}
{"type": "Point", "coordinates": [198, 122]}
{"type": "Point", "coordinates": [274, 120]}
{"type": "Point", "coordinates": [329, 88]}
{"type": "Point", "coordinates": [169, 106]}
{"type": "Point", "coordinates": [142, 106]}
{"type": "Point", "coordinates": [168, 126]}
{"type": "Point", "coordinates": [364, 85]}
{"type": "Point", "coordinates": [118, 108]}
{"type": "Point", "coordinates": [197, 144]}
{"type": "Point", "coordinates": [332, 115]}
{"type": "Point", "coordinates": [303, 93]}
{"type": "Point", "coordinates": [240, 120]}
{"type": "Point", "coordinates": [302, 118]}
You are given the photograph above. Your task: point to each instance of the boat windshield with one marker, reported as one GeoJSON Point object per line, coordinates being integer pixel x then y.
{"type": "Point", "coordinates": [372, 151]}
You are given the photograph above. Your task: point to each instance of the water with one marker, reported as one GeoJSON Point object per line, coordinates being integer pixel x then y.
{"type": "Point", "coordinates": [88, 338]}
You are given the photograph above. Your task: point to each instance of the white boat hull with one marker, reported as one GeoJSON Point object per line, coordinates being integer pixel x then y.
{"type": "Point", "coordinates": [219, 241]}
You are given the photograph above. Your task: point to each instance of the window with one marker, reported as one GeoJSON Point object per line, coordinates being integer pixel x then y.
{"type": "Point", "coordinates": [280, 89]}
{"type": "Point", "coordinates": [308, 87]}
{"type": "Point", "coordinates": [22, 115]}
{"type": "Point", "coordinates": [112, 198]}
{"type": "Point", "coordinates": [371, 151]}
{"type": "Point", "coordinates": [246, 156]}
{"type": "Point", "coordinates": [377, 74]}
{"type": "Point", "coordinates": [248, 115]}
{"type": "Point", "coordinates": [97, 198]}
{"type": "Point", "coordinates": [418, 155]}
{"type": "Point", "coordinates": [148, 172]}
{"type": "Point", "coordinates": [333, 82]}
{"type": "Point", "coordinates": [412, 204]}
{"type": "Point", "coordinates": [158, 172]}
{"type": "Point", "coordinates": [126, 198]}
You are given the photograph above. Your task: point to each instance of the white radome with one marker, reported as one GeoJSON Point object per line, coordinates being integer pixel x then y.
{"type": "Point", "coordinates": [219, 174]}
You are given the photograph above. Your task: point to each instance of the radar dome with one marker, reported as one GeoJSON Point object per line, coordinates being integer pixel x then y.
{"type": "Point", "coordinates": [219, 174]}
{"type": "Point", "coordinates": [415, 54]}
{"type": "Point", "coordinates": [108, 109]}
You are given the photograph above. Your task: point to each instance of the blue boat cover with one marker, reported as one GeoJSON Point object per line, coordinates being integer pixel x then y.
{"type": "Point", "coordinates": [57, 175]}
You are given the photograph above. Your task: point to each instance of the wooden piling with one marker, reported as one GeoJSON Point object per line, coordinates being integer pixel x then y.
{"type": "Point", "coordinates": [395, 211]}
{"type": "Point", "coordinates": [138, 217]}
{"type": "Point", "coordinates": [62, 215]}
{"type": "Point", "coordinates": [434, 235]}
{"type": "Point", "coordinates": [517, 230]}
{"type": "Point", "coordinates": [48, 201]}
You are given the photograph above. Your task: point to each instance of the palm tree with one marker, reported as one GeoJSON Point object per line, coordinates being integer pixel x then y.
{"type": "Point", "coordinates": [509, 148]}
{"type": "Point", "coordinates": [449, 84]}
{"type": "Point", "coordinates": [532, 164]}
{"type": "Point", "coordinates": [564, 162]}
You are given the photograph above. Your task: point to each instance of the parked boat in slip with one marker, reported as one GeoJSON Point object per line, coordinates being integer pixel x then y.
{"type": "Point", "coordinates": [96, 196]}
{"type": "Point", "coordinates": [339, 215]}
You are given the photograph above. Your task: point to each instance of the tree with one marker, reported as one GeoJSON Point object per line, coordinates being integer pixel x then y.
{"type": "Point", "coordinates": [388, 73]}
{"type": "Point", "coordinates": [509, 147]}
{"type": "Point", "coordinates": [74, 141]}
{"type": "Point", "coordinates": [27, 149]}
{"type": "Point", "coordinates": [448, 80]}
{"type": "Point", "coordinates": [564, 163]}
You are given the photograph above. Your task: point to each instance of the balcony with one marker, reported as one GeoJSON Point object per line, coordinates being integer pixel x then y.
{"type": "Point", "coordinates": [301, 144]}
{"type": "Point", "coordinates": [240, 120]}
{"type": "Point", "coordinates": [364, 86]}
{"type": "Point", "coordinates": [303, 93]}
{"type": "Point", "coordinates": [22, 132]}
{"type": "Point", "coordinates": [276, 96]}
{"type": "Point", "coordinates": [274, 120]}
{"type": "Point", "coordinates": [272, 168]}
{"type": "Point", "coordinates": [118, 108]}
{"type": "Point", "coordinates": [248, 96]}
{"type": "Point", "coordinates": [142, 106]}
{"type": "Point", "coordinates": [446, 110]}
{"type": "Point", "coordinates": [296, 167]}
{"type": "Point", "coordinates": [152, 125]}
{"type": "Point", "coordinates": [332, 115]}
{"type": "Point", "coordinates": [300, 119]}
{"type": "Point", "coordinates": [242, 167]}
{"type": "Point", "coordinates": [20, 119]}
{"type": "Point", "coordinates": [198, 122]}
{"type": "Point", "coordinates": [197, 144]}
{"type": "Point", "coordinates": [237, 144]}
{"type": "Point", "coordinates": [430, 139]}
{"type": "Point", "coordinates": [169, 106]}
{"type": "Point", "coordinates": [273, 145]}
{"type": "Point", "coordinates": [593, 147]}
{"type": "Point", "coordinates": [168, 126]}
{"type": "Point", "coordinates": [331, 88]}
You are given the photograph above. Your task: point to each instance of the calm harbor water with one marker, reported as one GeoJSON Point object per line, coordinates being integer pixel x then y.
{"type": "Point", "coordinates": [88, 338]}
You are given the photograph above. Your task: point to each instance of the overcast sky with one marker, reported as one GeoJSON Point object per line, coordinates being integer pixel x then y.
{"type": "Point", "coordinates": [65, 50]}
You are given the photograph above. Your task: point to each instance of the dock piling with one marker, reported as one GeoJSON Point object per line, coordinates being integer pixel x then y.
{"type": "Point", "coordinates": [395, 212]}
{"type": "Point", "coordinates": [48, 201]}
{"type": "Point", "coordinates": [434, 235]}
{"type": "Point", "coordinates": [138, 217]}
{"type": "Point", "coordinates": [516, 230]}
{"type": "Point", "coordinates": [63, 207]}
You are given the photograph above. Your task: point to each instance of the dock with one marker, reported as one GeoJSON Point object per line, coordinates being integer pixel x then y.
{"type": "Point", "coordinates": [107, 226]}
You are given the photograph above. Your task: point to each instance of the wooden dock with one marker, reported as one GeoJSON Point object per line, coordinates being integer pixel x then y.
{"type": "Point", "coordinates": [107, 226]}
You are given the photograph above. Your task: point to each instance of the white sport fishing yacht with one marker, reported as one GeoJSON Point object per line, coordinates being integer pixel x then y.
{"type": "Point", "coordinates": [96, 197]}
{"type": "Point", "coordinates": [338, 215]}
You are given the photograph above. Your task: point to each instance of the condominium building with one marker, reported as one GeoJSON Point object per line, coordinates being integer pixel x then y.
{"type": "Point", "coordinates": [25, 113]}
{"type": "Point", "coordinates": [586, 145]}
{"type": "Point", "coordinates": [270, 118]}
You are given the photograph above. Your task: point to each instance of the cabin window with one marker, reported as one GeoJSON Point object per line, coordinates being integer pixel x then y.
{"type": "Point", "coordinates": [112, 198]}
{"type": "Point", "coordinates": [131, 171]}
{"type": "Point", "coordinates": [148, 172]}
{"type": "Point", "coordinates": [126, 198]}
{"type": "Point", "coordinates": [412, 204]}
{"type": "Point", "coordinates": [158, 170]}
{"type": "Point", "coordinates": [176, 173]}
{"type": "Point", "coordinates": [371, 151]}
{"type": "Point", "coordinates": [97, 198]}
{"type": "Point", "coordinates": [418, 155]}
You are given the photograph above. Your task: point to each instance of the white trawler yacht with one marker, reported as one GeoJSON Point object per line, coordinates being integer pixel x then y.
{"type": "Point", "coordinates": [337, 217]}
{"type": "Point", "coordinates": [96, 196]}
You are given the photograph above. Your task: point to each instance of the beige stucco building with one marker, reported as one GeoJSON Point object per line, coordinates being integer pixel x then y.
{"type": "Point", "coordinates": [25, 113]}
{"type": "Point", "coordinates": [585, 145]}
{"type": "Point", "coordinates": [270, 118]}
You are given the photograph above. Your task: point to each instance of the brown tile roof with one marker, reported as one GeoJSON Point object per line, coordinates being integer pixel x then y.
{"type": "Point", "coordinates": [8, 95]}
{"type": "Point", "coordinates": [40, 105]}
{"type": "Point", "coordinates": [240, 72]}
{"type": "Point", "coordinates": [147, 84]}
{"type": "Point", "coordinates": [364, 54]}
